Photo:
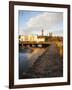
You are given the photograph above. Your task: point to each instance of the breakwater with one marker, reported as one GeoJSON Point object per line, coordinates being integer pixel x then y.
{"type": "Point", "coordinates": [49, 64]}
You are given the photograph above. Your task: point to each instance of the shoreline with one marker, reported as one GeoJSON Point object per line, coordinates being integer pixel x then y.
{"type": "Point", "coordinates": [50, 64]}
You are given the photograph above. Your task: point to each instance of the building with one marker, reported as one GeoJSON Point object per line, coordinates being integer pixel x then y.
{"type": "Point", "coordinates": [40, 39]}
{"type": "Point", "coordinates": [21, 38]}
{"type": "Point", "coordinates": [50, 34]}
{"type": "Point", "coordinates": [27, 38]}
{"type": "Point", "coordinates": [42, 32]}
{"type": "Point", "coordinates": [32, 38]}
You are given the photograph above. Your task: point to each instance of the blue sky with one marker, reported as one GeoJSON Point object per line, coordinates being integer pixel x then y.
{"type": "Point", "coordinates": [32, 22]}
{"type": "Point", "coordinates": [24, 17]}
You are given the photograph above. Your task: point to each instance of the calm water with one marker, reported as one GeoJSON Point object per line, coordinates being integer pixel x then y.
{"type": "Point", "coordinates": [27, 58]}
{"type": "Point", "coordinates": [24, 63]}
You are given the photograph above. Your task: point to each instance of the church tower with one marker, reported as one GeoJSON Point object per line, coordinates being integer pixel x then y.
{"type": "Point", "coordinates": [42, 32]}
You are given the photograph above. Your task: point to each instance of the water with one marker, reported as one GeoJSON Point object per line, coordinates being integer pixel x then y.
{"type": "Point", "coordinates": [24, 63]}
{"type": "Point", "coordinates": [27, 58]}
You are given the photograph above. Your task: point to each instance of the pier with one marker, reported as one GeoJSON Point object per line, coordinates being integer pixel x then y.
{"type": "Point", "coordinates": [34, 44]}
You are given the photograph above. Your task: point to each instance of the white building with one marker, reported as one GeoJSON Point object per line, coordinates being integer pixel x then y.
{"type": "Point", "coordinates": [32, 38]}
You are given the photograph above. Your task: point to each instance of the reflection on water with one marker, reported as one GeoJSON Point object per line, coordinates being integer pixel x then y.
{"type": "Point", "coordinates": [26, 59]}
{"type": "Point", "coordinates": [24, 63]}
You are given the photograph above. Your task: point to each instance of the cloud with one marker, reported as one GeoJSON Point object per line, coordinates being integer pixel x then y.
{"type": "Point", "coordinates": [49, 21]}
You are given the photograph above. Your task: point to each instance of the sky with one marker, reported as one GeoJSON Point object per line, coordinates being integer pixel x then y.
{"type": "Point", "coordinates": [32, 22]}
